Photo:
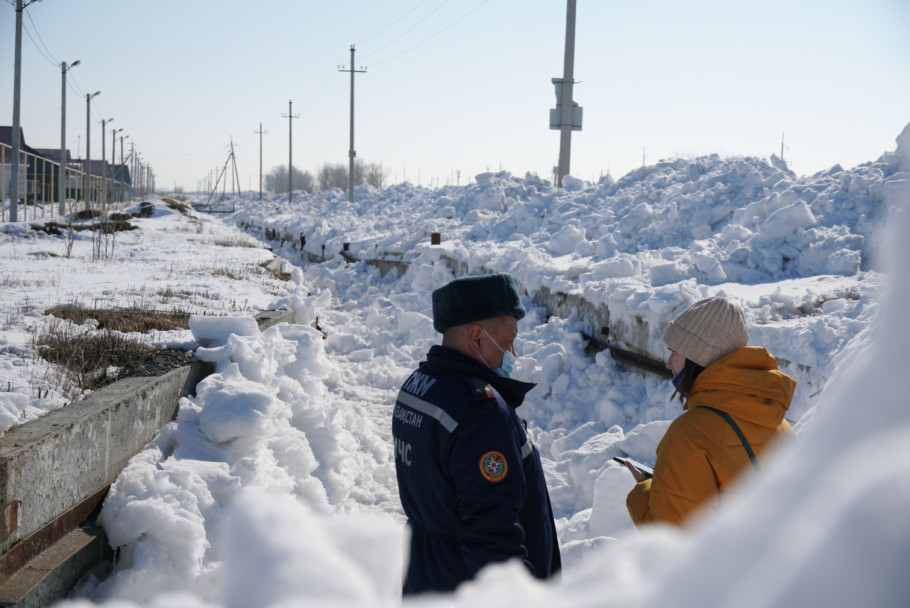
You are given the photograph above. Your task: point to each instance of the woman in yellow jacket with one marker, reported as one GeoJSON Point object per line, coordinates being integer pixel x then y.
{"type": "Point", "coordinates": [734, 399]}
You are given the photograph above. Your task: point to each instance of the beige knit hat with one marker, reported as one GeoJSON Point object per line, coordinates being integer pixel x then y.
{"type": "Point", "coordinates": [707, 330]}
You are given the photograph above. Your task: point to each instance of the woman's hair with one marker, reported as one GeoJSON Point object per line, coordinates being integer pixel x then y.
{"type": "Point", "coordinates": [689, 374]}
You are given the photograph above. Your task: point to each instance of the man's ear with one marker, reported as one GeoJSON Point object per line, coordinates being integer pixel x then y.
{"type": "Point", "coordinates": [475, 335]}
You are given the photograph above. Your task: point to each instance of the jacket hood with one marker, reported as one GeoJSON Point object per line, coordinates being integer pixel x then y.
{"type": "Point", "coordinates": [747, 384]}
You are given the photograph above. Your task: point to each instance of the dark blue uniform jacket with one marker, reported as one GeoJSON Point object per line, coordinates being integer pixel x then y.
{"type": "Point", "coordinates": [470, 481]}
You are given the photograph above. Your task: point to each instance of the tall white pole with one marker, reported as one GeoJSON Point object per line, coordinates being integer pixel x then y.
{"type": "Point", "coordinates": [290, 151]}
{"type": "Point", "coordinates": [113, 159]}
{"type": "Point", "coordinates": [290, 116]}
{"type": "Point", "coordinates": [88, 154]}
{"type": "Point", "coordinates": [61, 184]}
{"type": "Point", "coordinates": [351, 152]}
{"type": "Point", "coordinates": [103, 169]}
{"type": "Point", "coordinates": [568, 76]}
{"type": "Point", "coordinates": [17, 79]}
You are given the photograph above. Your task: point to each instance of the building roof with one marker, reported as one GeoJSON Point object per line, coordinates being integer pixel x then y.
{"type": "Point", "coordinates": [6, 136]}
{"type": "Point", "coordinates": [54, 154]}
{"type": "Point", "coordinates": [98, 167]}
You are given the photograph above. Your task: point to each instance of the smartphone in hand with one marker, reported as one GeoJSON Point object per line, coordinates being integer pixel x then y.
{"type": "Point", "coordinates": [645, 469]}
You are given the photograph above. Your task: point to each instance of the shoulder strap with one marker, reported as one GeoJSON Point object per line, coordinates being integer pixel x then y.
{"type": "Point", "coordinates": [738, 431]}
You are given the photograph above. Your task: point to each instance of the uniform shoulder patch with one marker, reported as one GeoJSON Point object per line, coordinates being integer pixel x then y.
{"type": "Point", "coordinates": [481, 389]}
{"type": "Point", "coordinates": [493, 466]}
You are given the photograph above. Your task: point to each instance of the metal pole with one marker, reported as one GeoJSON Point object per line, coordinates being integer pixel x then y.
{"type": "Point", "coordinates": [260, 160]}
{"type": "Point", "coordinates": [88, 154]}
{"type": "Point", "coordinates": [113, 159]}
{"type": "Point", "coordinates": [290, 118]}
{"type": "Point", "coordinates": [103, 169]}
{"type": "Point", "coordinates": [61, 184]}
{"type": "Point", "coordinates": [565, 119]}
{"type": "Point", "coordinates": [123, 177]}
{"type": "Point", "coordinates": [17, 79]}
{"type": "Point", "coordinates": [290, 151]}
{"type": "Point", "coordinates": [351, 152]}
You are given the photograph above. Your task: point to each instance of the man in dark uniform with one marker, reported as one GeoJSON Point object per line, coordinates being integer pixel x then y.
{"type": "Point", "coordinates": [469, 478]}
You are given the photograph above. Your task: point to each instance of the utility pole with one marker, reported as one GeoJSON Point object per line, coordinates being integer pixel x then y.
{"type": "Point", "coordinates": [17, 82]}
{"type": "Point", "coordinates": [351, 152]}
{"type": "Point", "coordinates": [260, 131]}
{"type": "Point", "coordinates": [113, 159]}
{"type": "Point", "coordinates": [134, 177]}
{"type": "Point", "coordinates": [236, 175]}
{"type": "Point", "coordinates": [61, 182]}
{"type": "Point", "coordinates": [88, 149]}
{"type": "Point", "coordinates": [782, 146]}
{"type": "Point", "coordinates": [290, 116]}
{"type": "Point", "coordinates": [103, 159]}
{"type": "Point", "coordinates": [567, 115]}
{"type": "Point", "coordinates": [122, 137]}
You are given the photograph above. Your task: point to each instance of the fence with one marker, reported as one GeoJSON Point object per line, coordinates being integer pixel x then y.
{"type": "Point", "coordinates": [39, 185]}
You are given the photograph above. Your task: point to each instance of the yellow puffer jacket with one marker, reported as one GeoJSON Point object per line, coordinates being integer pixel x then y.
{"type": "Point", "coordinates": [701, 455]}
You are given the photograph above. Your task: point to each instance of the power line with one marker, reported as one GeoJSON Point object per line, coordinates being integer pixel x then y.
{"type": "Point", "coordinates": [371, 36]}
{"type": "Point", "coordinates": [407, 31]}
{"type": "Point", "coordinates": [38, 48]}
{"type": "Point", "coordinates": [432, 36]}
{"type": "Point", "coordinates": [37, 33]}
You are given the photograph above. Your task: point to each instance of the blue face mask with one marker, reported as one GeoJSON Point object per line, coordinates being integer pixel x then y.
{"type": "Point", "coordinates": [508, 360]}
{"type": "Point", "coordinates": [678, 378]}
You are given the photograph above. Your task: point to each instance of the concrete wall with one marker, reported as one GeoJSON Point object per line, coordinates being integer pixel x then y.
{"type": "Point", "coordinates": [50, 464]}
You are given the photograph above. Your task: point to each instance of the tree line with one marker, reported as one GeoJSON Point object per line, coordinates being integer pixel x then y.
{"type": "Point", "coordinates": [330, 175]}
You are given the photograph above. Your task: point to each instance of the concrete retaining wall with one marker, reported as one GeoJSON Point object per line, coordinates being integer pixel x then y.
{"type": "Point", "coordinates": [50, 464]}
{"type": "Point", "coordinates": [53, 465]}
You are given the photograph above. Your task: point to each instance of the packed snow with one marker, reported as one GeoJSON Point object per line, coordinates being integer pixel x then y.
{"type": "Point", "coordinates": [275, 485]}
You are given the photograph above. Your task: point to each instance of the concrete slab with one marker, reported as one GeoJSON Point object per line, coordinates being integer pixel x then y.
{"type": "Point", "coordinates": [50, 465]}
{"type": "Point", "coordinates": [51, 574]}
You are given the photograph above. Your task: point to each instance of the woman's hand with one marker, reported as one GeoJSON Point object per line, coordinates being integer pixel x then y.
{"type": "Point", "coordinates": [636, 473]}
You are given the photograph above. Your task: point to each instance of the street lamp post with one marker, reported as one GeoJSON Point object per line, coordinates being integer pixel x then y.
{"type": "Point", "coordinates": [62, 181]}
{"type": "Point", "coordinates": [122, 137]}
{"type": "Point", "coordinates": [88, 149]}
{"type": "Point", "coordinates": [113, 159]}
{"type": "Point", "coordinates": [17, 81]}
{"type": "Point", "coordinates": [103, 158]}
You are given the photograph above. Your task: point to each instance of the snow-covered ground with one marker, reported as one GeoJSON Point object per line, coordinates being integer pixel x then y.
{"type": "Point", "coordinates": [275, 486]}
{"type": "Point", "coordinates": [169, 262]}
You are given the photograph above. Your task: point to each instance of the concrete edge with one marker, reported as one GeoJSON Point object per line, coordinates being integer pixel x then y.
{"type": "Point", "coordinates": [51, 464]}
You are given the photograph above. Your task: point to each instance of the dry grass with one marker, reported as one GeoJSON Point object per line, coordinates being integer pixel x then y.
{"type": "Point", "coordinates": [223, 271]}
{"type": "Point", "coordinates": [237, 242]}
{"type": "Point", "coordinates": [126, 321]}
{"type": "Point", "coordinates": [90, 361]}
{"type": "Point", "coordinates": [177, 206]}
{"type": "Point", "coordinates": [105, 357]}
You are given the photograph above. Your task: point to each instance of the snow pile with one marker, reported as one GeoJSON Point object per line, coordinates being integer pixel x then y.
{"type": "Point", "coordinates": [714, 219]}
{"type": "Point", "coordinates": [151, 268]}
{"type": "Point", "coordinates": [258, 432]}
{"type": "Point", "coordinates": [276, 486]}
{"type": "Point", "coordinates": [797, 253]}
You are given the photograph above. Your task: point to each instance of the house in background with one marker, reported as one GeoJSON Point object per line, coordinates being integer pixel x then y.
{"type": "Point", "coordinates": [39, 170]}
{"type": "Point", "coordinates": [6, 161]}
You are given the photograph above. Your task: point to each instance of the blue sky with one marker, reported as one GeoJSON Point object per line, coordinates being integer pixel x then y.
{"type": "Point", "coordinates": [463, 85]}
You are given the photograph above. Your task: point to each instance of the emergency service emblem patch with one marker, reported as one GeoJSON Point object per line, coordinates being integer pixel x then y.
{"type": "Point", "coordinates": [493, 466]}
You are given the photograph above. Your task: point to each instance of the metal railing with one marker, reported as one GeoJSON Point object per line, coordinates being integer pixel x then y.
{"type": "Point", "coordinates": [39, 186]}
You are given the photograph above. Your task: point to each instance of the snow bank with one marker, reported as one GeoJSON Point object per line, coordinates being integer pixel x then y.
{"type": "Point", "coordinates": [267, 488]}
